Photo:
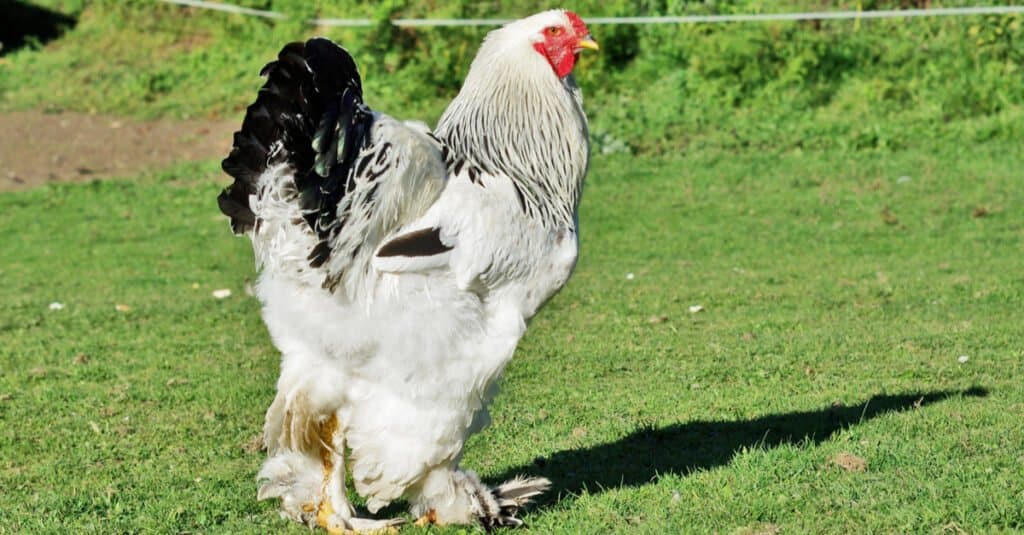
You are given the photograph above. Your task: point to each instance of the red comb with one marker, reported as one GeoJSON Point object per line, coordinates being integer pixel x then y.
{"type": "Point", "coordinates": [577, 23]}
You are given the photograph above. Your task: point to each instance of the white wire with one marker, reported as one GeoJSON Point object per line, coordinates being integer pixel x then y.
{"type": "Point", "coordinates": [821, 15]}
{"type": "Point", "coordinates": [217, 6]}
{"type": "Point", "coordinates": [687, 19]}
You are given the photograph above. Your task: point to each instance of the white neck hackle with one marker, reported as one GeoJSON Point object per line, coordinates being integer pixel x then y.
{"type": "Point", "coordinates": [515, 116]}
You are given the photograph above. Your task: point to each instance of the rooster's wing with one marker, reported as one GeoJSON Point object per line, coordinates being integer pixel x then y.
{"type": "Point", "coordinates": [337, 180]}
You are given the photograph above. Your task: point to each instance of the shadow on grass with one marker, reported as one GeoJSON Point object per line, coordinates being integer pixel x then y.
{"type": "Point", "coordinates": [639, 458]}
{"type": "Point", "coordinates": [25, 24]}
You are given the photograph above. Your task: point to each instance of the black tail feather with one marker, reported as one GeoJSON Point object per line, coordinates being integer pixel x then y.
{"type": "Point", "coordinates": [310, 114]}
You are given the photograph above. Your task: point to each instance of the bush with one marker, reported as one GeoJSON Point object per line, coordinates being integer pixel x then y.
{"type": "Point", "coordinates": [851, 85]}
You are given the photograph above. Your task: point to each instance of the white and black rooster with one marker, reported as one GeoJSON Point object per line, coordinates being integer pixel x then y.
{"type": "Point", "coordinates": [398, 267]}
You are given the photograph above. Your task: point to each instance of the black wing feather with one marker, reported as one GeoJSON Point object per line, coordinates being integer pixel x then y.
{"type": "Point", "coordinates": [424, 242]}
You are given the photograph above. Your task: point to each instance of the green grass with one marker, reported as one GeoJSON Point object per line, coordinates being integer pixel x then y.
{"type": "Point", "coordinates": [839, 287]}
{"type": "Point", "coordinates": [837, 299]}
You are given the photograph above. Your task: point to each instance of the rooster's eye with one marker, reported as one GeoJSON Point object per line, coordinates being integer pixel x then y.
{"type": "Point", "coordinates": [554, 31]}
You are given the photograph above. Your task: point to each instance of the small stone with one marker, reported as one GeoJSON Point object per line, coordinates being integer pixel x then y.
{"type": "Point", "coordinates": [223, 293]}
{"type": "Point", "coordinates": [696, 308]}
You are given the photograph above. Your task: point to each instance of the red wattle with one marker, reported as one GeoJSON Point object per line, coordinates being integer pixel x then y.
{"type": "Point", "coordinates": [562, 63]}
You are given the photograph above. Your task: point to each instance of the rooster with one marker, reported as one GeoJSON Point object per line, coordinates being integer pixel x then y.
{"type": "Point", "coordinates": [399, 267]}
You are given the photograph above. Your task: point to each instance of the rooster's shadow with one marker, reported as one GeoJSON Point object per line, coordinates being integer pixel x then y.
{"type": "Point", "coordinates": [650, 452]}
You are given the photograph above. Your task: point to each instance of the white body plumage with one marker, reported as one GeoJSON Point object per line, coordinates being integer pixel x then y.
{"type": "Point", "coordinates": [402, 352]}
{"type": "Point", "coordinates": [410, 369]}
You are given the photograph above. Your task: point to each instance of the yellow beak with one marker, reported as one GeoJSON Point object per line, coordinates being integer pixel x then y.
{"type": "Point", "coordinates": [587, 42]}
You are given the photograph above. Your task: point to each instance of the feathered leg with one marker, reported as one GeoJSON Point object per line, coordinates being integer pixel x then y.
{"type": "Point", "coordinates": [306, 470]}
{"type": "Point", "coordinates": [335, 513]}
{"type": "Point", "coordinates": [293, 470]}
{"type": "Point", "coordinates": [453, 496]}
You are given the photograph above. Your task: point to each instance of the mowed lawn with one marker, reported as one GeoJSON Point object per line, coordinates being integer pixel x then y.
{"type": "Point", "coordinates": [752, 343]}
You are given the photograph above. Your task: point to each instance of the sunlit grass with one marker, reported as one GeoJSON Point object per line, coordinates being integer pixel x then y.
{"type": "Point", "coordinates": [840, 297]}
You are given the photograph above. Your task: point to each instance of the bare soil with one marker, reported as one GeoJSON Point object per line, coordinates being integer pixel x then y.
{"type": "Point", "coordinates": [38, 147]}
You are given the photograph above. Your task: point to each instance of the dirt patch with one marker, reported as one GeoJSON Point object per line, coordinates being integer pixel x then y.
{"type": "Point", "coordinates": [759, 529]}
{"type": "Point", "coordinates": [37, 147]}
{"type": "Point", "coordinates": [848, 462]}
{"type": "Point", "coordinates": [254, 444]}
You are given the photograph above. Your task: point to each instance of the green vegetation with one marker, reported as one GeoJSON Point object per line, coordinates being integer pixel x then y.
{"type": "Point", "coordinates": [663, 89]}
{"type": "Point", "coordinates": [837, 300]}
{"type": "Point", "coordinates": [842, 201]}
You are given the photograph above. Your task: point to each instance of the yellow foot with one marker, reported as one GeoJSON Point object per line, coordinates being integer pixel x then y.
{"type": "Point", "coordinates": [427, 519]}
{"type": "Point", "coordinates": [323, 517]}
{"type": "Point", "coordinates": [356, 526]}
